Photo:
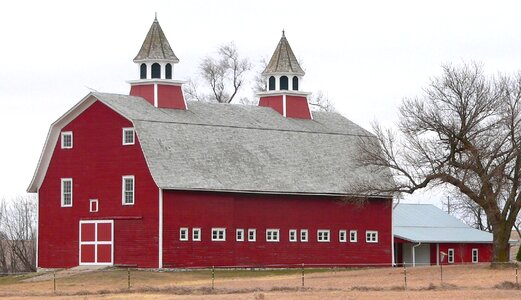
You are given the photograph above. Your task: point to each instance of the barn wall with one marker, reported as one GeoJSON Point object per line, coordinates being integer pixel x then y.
{"type": "Point", "coordinates": [96, 164]}
{"type": "Point", "coordinates": [463, 252]}
{"type": "Point", "coordinates": [231, 211]}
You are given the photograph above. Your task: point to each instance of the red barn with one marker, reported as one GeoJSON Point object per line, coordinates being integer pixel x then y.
{"type": "Point", "coordinates": [153, 181]}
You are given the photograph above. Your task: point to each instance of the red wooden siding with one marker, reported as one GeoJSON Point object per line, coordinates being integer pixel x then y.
{"type": "Point", "coordinates": [143, 90]}
{"type": "Point", "coordinates": [297, 107]}
{"type": "Point", "coordinates": [170, 96]}
{"type": "Point", "coordinates": [463, 252]}
{"type": "Point", "coordinates": [96, 164]}
{"type": "Point", "coordinates": [261, 212]}
{"type": "Point", "coordinates": [274, 102]}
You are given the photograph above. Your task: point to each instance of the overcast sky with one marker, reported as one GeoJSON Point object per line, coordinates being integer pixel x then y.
{"type": "Point", "coordinates": [365, 55]}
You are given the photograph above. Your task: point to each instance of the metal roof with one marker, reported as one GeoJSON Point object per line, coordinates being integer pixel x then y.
{"type": "Point", "coordinates": [429, 224]}
{"type": "Point", "coordinates": [283, 60]}
{"type": "Point", "coordinates": [156, 46]}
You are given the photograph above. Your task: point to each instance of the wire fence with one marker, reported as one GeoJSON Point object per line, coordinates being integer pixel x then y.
{"type": "Point", "coordinates": [231, 279]}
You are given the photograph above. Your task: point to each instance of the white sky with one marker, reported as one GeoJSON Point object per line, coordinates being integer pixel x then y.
{"type": "Point", "coordinates": [365, 55]}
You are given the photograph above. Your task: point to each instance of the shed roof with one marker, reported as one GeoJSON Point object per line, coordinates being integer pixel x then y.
{"type": "Point", "coordinates": [241, 148]}
{"type": "Point", "coordinates": [429, 224]}
{"type": "Point", "coordinates": [156, 46]}
{"type": "Point", "coordinates": [283, 60]}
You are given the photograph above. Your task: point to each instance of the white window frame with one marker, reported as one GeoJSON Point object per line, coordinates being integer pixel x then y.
{"type": "Point", "coordinates": [125, 130]}
{"type": "Point", "coordinates": [304, 235]}
{"type": "Point", "coordinates": [475, 261]}
{"type": "Point", "coordinates": [239, 235]}
{"type": "Point", "coordinates": [371, 236]}
{"type": "Point", "coordinates": [63, 180]}
{"type": "Point", "coordinates": [353, 236]}
{"type": "Point", "coordinates": [342, 236]}
{"type": "Point", "coordinates": [196, 234]}
{"type": "Point", "coordinates": [252, 235]}
{"type": "Point", "coordinates": [96, 243]}
{"type": "Point", "coordinates": [217, 238]}
{"type": "Point", "coordinates": [272, 235]}
{"type": "Point", "coordinates": [62, 140]}
{"type": "Point", "coordinates": [450, 255]}
{"type": "Point", "coordinates": [183, 234]}
{"type": "Point", "coordinates": [293, 235]}
{"type": "Point", "coordinates": [323, 235]}
{"type": "Point", "coordinates": [123, 189]}
{"type": "Point", "coordinates": [92, 203]}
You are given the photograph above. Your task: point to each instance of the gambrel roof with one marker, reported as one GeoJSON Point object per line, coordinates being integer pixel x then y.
{"type": "Point", "coordinates": [237, 148]}
{"type": "Point", "coordinates": [425, 223]}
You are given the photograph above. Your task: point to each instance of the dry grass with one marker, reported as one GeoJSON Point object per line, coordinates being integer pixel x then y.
{"type": "Point", "coordinates": [471, 281]}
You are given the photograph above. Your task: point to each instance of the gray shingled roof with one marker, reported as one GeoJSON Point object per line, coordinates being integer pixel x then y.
{"type": "Point", "coordinates": [429, 224]}
{"type": "Point", "coordinates": [240, 148]}
{"type": "Point", "coordinates": [283, 60]}
{"type": "Point", "coordinates": [156, 46]}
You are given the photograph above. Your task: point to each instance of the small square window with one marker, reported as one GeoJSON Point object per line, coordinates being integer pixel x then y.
{"type": "Point", "coordinates": [93, 205]}
{"type": "Point", "coordinates": [66, 140]}
{"type": "Point", "coordinates": [128, 190]}
{"type": "Point", "coordinates": [272, 235]}
{"type": "Point", "coordinates": [183, 234]}
{"type": "Point", "coordinates": [252, 235]}
{"type": "Point", "coordinates": [66, 192]}
{"type": "Point", "coordinates": [128, 136]}
{"type": "Point", "coordinates": [196, 234]}
{"type": "Point", "coordinates": [239, 235]}
{"type": "Point", "coordinates": [371, 236]}
{"type": "Point", "coordinates": [353, 236]}
{"type": "Point", "coordinates": [292, 235]}
{"type": "Point", "coordinates": [218, 234]}
{"type": "Point", "coordinates": [342, 236]}
{"type": "Point", "coordinates": [303, 235]}
{"type": "Point", "coordinates": [450, 256]}
{"type": "Point", "coordinates": [323, 235]}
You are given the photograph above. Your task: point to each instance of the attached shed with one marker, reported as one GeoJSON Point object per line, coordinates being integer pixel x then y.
{"type": "Point", "coordinates": [422, 232]}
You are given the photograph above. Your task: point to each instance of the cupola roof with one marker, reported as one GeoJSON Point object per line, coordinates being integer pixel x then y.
{"type": "Point", "coordinates": [283, 60]}
{"type": "Point", "coordinates": [156, 46]}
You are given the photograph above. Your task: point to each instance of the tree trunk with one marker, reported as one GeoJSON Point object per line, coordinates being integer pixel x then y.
{"type": "Point", "coordinates": [501, 247]}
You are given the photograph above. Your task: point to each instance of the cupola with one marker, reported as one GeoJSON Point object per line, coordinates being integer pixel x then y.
{"type": "Point", "coordinates": [155, 62]}
{"type": "Point", "coordinates": [283, 84]}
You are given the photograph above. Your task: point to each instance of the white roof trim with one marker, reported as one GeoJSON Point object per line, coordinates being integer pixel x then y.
{"type": "Point", "coordinates": [53, 135]}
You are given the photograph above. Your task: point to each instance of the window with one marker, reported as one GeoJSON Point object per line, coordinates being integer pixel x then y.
{"type": "Point", "coordinates": [295, 83]}
{"type": "Point", "coordinates": [218, 234]}
{"type": "Point", "coordinates": [272, 235]}
{"type": "Point", "coordinates": [323, 235]}
{"type": "Point", "coordinates": [284, 83]}
{"type": "Point", "coordinates": [271, 83]}
{"type": "Point", "coordinates": [353, 236]}
{"type": "Point", "coordinates": [450, 256]}
{"type": "Point", "coordinates": [93, 205]}
{"type": "Point", "coordinates": [292, 235]}
{"type": "Point", "coordinates": [168, 71]}
{"type": "Point", "coordinates": [475, 256]}
{"type": "Point", "coordinates": [128, 136]}
{"type": "Point", "coordinates": [66, 192]}
{"type": "Point", "coordinates": [66, 140]}
{"type": "Point", "coordinates": [156, 70]}
{"type": "Point", "coordinates": [143, 71]}
{"type": "Point", "coordinates": [183, 234]}
{"type": "Point", "coordinates": [303, 235]}
{"type": "Point", "coordinates": [371, 236]}
{"type": "Point", "coordinates": [128, 190]}
{"type": "Point", "coordinates": [342, 236]}
{"type": "Point", "coordinates": [239, 235]}
{"type": "Point", "coordinates": [196, 234]}
{"type": "Point", "coordinates": [252, 235]}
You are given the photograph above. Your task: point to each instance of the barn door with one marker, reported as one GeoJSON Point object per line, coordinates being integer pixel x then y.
{"type": "Point", "coordinates": [97, 242]}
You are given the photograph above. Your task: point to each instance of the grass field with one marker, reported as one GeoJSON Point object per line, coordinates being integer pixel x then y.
{"type": "Point", "coordinates": [468, 282]}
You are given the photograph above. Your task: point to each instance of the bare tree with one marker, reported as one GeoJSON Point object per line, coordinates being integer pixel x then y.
{"type": "Point", "coordinates": [463, 132]}
{"type": "Point", "coordinates": [320, 102]}
{"type": "Point", "coordinates": [468, 211]}
{"type": "Point", "coordinates": [223, 74]}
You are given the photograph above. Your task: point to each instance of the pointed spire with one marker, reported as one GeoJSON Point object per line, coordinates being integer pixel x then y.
{"type": "Point", "coordinates": [283, 60]}
{"type": "Point", "coordinates": [156, 46]}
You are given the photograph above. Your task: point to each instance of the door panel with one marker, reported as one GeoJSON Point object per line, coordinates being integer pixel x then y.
{"type": "Point", "coordinates": [96, 242]}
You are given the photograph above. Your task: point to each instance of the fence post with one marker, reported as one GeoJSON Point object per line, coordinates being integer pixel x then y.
{"type": "Point", "coordinates": [54, 280]}
{"type": "Point", "coordinates": [128, 278]}
{"type": "Point", "coordinates": [302, 275]}
{"type": "Point", "coordinates": [405, 276]}
{"type": "Point", "coordinates": [517, 282]}
{"type": "Point", "coordinates": [441, 273]}
{"type": "Point", "coordinates": [213, 276]}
